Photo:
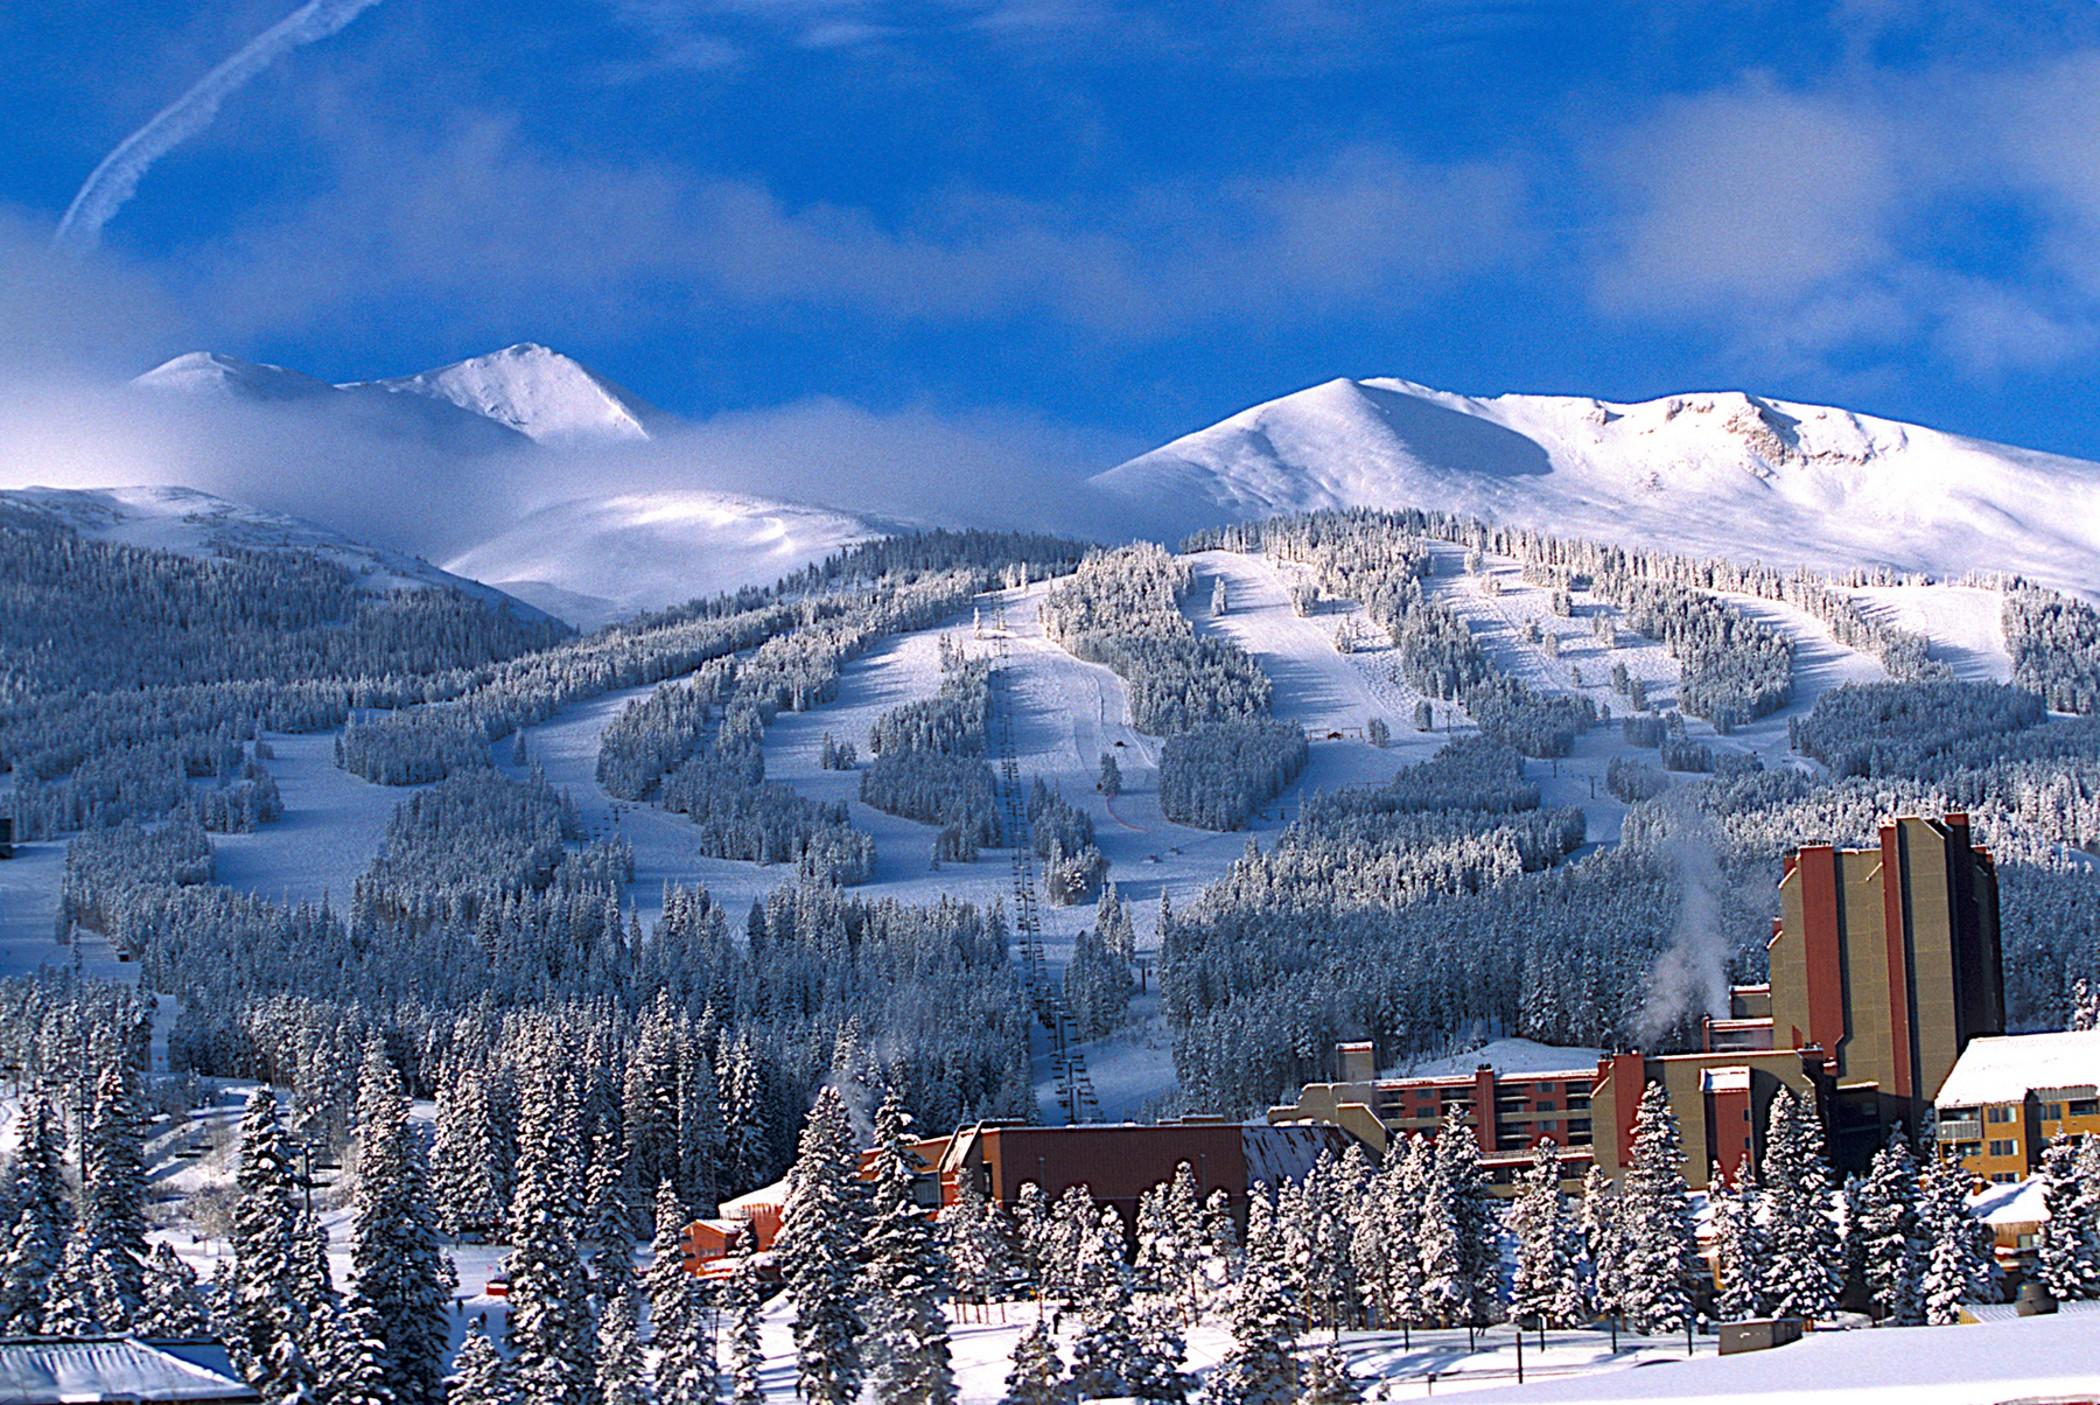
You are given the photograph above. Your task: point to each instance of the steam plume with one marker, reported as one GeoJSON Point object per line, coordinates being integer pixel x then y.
{"type": "Point", "coordinates": [1690, 978]}
{"type": "Point", "coordinates": [115, 180]}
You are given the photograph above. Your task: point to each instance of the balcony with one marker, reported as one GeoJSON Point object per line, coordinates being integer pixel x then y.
{"type": "Point", "coordinates": [1966, 1130]}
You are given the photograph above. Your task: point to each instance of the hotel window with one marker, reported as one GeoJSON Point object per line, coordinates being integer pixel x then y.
{"type": "Point", "coordinates": [2000, 1113]}
{"type": "Point", "coordinates": [2004, 1148]}
{"type": "Point", "coordinates": [2052, 1112]}
{"type": "Point", "coordinates": [2085, 1107]}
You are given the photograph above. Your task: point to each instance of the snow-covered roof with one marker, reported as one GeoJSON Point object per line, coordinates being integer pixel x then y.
{"type": "Point", "coordinates": [65, 1370]}
{"type": "Point", "coordinates": [2018, 1203]}
{"type": "Point", "coordinates": [770, 1197]}
{"type": "Point", "coordinates": [1518, 1057]}
{"type": "Point", "coordinates": [2006, 1068]}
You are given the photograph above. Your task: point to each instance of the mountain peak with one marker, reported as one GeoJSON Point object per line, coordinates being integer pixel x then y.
{"type": "Point", "coordinates": [206, 372]}
{"type": "Point", "coordinates": [536, 391]}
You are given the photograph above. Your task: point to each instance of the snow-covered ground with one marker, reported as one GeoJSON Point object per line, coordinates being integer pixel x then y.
{"type": "Point", "coordinates": [2031, 1359]}
{"type": "Point", "coordinates": [332, 826]}
{"type": "Point", "coordinates": [1965, 623]}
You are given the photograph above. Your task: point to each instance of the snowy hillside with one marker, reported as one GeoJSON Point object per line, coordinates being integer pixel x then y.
{"type": "Point", "coordinates": [1716, 473]}
{"type": "Point", "coordinates": [536, 391]}
{"type": "Point", "coordinates": [595, 559]}
{"type": "Point", "coordinates": [198, 524]}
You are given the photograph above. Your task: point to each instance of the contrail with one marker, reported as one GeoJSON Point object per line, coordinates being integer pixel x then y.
{"type": "Point", "coordinates": [114, 181]}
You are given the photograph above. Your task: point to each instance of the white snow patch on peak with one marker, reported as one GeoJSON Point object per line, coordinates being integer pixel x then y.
{"type": "Point", "coordinates": [207, 372]}
{"type": "Point", "coordinates": [1711, 473]}
{"type": "Point", "coordinates": [538, 392]}
{"type": "Point", "coordinates": [593, 560]}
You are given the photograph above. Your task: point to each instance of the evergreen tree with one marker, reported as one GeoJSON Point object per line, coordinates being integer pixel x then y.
{"type": "Point", "coordinates": [1037, 1376]}
{"type": "Point", "coordinates": [1460, 1250]}
{"type": "Point", "coordinates": [822, 1226]}
{"type": "Point", "coordinates": [1894, 1249]}
{"type": "Point", "coordinates": [1156, 1373]}
{"type": "Point", "coordinates": [1034, 1233]}
{"type": "Point", "coordinates": [1795, 1211]}
{"type": "Point", "coordinates": [746, 1355]}
{"type": "Point", "coordinates": [1258, 1368]}
{"type": "Point", "coordinates": [685, 1364]}
{"type": "Point", "coordinates": [401, 1274]}
{"type": "Point", "coordinates": [1105, 1358]}
{"type": "Point", "coordinates": [1739, 1244]}
{"type": "Point", "coordinates": [1600, 1236]}
{"type": "Point", "coordinates": [267, 1320]}
{"type": "Point", "coordinates": [1548, 1282]}
{"type": "Point", "coordinates": [174, 1308]}
{"type": "Point", "coordinates": [113, 1199]}
{"type": "Point", "coordinates": [905, 1279]}
{"type": "Point", "coordinates": [973, 1237]}
{"type": "Point", "coordinates": [623, 1367]}
{"type": "Point", "coordinates": [1656, 1221]}
{"type": "Point", "coordinates": [466, 1185]}
{"type": "Point", "coordinates": [2067, 1258]}
{"type": "Point", "coordinates": [550, 1320]}
{"type": "Point", "coordinates": [33, 1254]}
{"type": "Point", "coordinates": [1327, 1380]}
{"type": "Point", "coordinates": [479, 1376]}
{"type": "Point", "coordinates": [350, 1357]}
{"type": "Point", "coordinates": [1958, 1258]}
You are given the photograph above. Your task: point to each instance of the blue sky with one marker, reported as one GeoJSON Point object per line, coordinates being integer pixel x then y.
{"type": "Point", "coordinates": [1100, 219]}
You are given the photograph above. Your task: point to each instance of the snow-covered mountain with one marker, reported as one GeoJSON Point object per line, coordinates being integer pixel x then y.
{"type": "Point", "coordinates": [1713, 473]}
{"type": "Point", "coordinates": [595, 559]}
{"type": "Point", "coordinates": [536, 391]}
{"type": "Point", "coordinates": [198, 524]}
{"type": "Point", "coordinates": [486, 401]}
{"type": "Point", "coordinates": [341, 411]}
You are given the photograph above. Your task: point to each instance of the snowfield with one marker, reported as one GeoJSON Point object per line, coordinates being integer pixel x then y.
{"type": "Point", "coordinates": [1716, 473]}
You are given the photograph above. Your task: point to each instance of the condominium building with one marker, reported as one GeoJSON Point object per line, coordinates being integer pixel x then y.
{"type": "Point", "coordinates": [2007, 1097]}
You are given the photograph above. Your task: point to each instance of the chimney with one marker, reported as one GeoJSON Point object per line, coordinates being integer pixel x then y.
{"type": "Point", "coordinates": [1355, 1063]}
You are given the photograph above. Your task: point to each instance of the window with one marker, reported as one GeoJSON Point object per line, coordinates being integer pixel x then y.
{"type": "Point", "coordinates": [2000, 1113]}
{"type": "Point", "coordinates": [1545, 1105]}
{"type": "Point", "coordinates": [2052, 1112]}
{"type": "Point", "coordinates": [2004, 1148]}
{"type": "Point", "coordinates": [1578, 1124]}
{"type": "Point", "coordinates": [2086, 1107]}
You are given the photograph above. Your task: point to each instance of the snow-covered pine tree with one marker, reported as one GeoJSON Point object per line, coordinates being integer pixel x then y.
{"type": "Point", "coordinates": [266, 1321]}
{"type": "Point", "coordinates": [2067, 1258]}
{"type": "Point", "coordinates": [1655, 1220]}
{"type": "Point", "coordinates": [1739, 1243]}
{"type": "Point", "coordinates": [1221, 1251]}
{"type": "Point", "coordinates": [466, 1184]}
{"type": "Point", "coordinates": [399, 1270]}
{"type": "Point", "coordinates": [1548, 1283]}
{"type": "Point", "coordinates": [746, 1354]}
{"type": "Point", "coordinates": [34, 1251]}
{"type": "Point", "coordinates": [113, 1198]}
{"type": "Point", "coordinates": [350, 1365]}
{"type": "Point", "coordinates": [174, 1308]}
{"type": "Point", "coordinates": [1893, 1248]}
{"type": "Point", "coordinates": [1156, 1374]}
{"type": "Point", "coordinates": [972, 1238]}
{"type": "Point", "coordinates": [1104, 1359]}
{"type": "Point", "coordinates": [818, 1250]}
{"type": "Point", "coordinates": [906, 1276]}
{"type": "Point", "coordinates": [1795, 1211]}
{"type": "Point", "coordinates": [623, 1366]}
{"type": "Point", "coordinates": [1038, 1376]}
{"type": "Point", "coordinates": [1458, 1236]}
{"type": "Point", "coordinates": [1327, 1381]}
{"type": "Point", "coordinates": [685, 1365]}
{"type": "Point", "coordinates": [480, 1376]}
{"type": "Point", "coordinates": [1958, 1259]}
{"type": "Point", "coordinates": [1033, 1236]}
{"type": "Point", "coordinates": [551, 1335]}
{"type": "Point", "coordinates": [1259, 1367]}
